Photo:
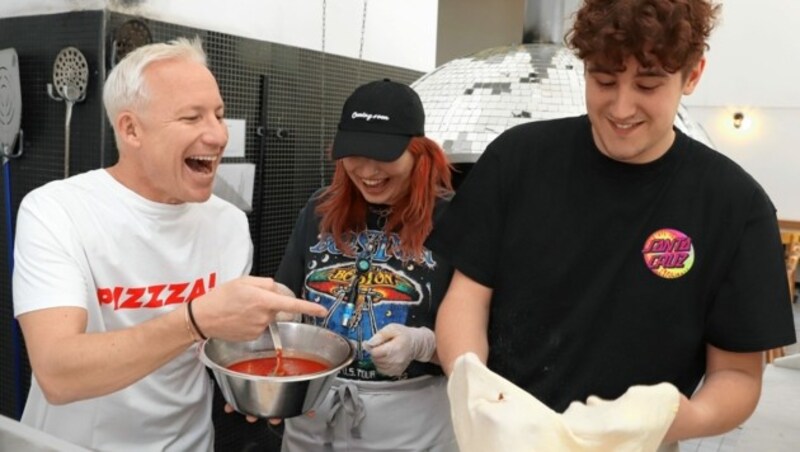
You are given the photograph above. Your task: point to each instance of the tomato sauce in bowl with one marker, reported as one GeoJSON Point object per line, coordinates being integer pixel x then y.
{"type": "Point", "coordinates": [244, 371]}
{"type": "Point", "coordinates": [290, 366]}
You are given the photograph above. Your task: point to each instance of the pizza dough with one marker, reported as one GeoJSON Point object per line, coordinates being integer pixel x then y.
{"type": "Point", "coordinates": [491, 413]}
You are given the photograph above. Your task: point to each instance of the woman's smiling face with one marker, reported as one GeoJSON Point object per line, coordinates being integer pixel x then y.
{"type": "Point", "coordinates": [380, 182]}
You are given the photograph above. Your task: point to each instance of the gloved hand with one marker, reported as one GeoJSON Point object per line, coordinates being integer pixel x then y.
{"type": "Point", "coordinates": [395, 346]}
{"type": "Point", "coordinates": [283, 289]}
{"type": "Point", "coordinates": [286, 316]}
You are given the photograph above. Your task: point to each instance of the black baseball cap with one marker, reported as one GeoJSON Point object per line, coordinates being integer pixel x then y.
{"type": "Point", "coordinates": [378, 120]}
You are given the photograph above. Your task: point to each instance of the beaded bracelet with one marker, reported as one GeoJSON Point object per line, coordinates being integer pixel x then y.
{"type": "Point", "coordinates": [194, 322]}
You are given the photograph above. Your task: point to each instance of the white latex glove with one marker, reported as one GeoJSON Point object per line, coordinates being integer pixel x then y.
{"type": "Point", "coordinates": [282, 316]}
{"type": "Point", "coordinates": [395, 346]}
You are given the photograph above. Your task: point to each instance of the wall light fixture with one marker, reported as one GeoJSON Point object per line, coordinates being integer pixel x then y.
{"type": "Point", "coordinates": [738, 119]}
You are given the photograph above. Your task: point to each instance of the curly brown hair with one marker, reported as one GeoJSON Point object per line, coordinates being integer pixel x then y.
{"type": "Point", "coordinates": [667, 33]}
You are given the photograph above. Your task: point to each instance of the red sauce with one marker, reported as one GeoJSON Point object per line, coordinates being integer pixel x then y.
{"type": "Point", "coordinates": [287, 367]}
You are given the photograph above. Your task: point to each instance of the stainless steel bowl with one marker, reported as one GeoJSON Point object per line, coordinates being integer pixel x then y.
{"type": "Point", "coordinates": [273, 396]}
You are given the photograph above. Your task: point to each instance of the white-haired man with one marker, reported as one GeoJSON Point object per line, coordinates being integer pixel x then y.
{"type": "Point", "coordinates": [121, 271]}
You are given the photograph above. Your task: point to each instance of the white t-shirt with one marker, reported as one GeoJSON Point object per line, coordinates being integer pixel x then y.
{"type": "Point", "coordinates": [90, 242]}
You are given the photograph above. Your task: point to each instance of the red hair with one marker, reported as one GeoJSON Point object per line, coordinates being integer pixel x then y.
{"type": "Point", "coordinates": [344, 210]}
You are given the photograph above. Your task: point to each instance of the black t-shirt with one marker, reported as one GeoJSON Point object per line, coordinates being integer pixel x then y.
{"type": "Point", "coordinates": [606, 274]}
{"type": "Point", "coordinates": [390, 291]}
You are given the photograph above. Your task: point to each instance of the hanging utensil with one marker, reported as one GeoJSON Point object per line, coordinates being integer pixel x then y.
{"type": "Point", "coordinates": [128, 37]}
{"type": "Point", "coordinates": [70, 78]}
{"type": "Point", "coordinates": [10, 105]}
{"type": "Point", "coordinates": [10, 134]}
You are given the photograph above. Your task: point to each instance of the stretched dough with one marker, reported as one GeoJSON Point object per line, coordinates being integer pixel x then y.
{"type": "Point", "coordinates": [492, 414]}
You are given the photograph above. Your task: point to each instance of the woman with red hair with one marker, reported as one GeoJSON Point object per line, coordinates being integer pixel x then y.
{"type": "Point", "coordinates": [358, 248]}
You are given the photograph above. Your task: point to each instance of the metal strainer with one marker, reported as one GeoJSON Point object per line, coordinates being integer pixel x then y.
{"type": "Point", "coordinates": [128, 37]}
{"type": "Point", "coordinates": [70, 78]}
{"type": "Point", "coordinates": [10, 105]}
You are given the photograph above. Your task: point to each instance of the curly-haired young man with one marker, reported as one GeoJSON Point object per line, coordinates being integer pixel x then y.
{"type": "Point", "coordinates": [612, 250]}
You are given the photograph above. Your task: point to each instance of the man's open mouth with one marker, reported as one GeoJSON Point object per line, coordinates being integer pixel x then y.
{"type": "Point", "coordinates": [201, 163]}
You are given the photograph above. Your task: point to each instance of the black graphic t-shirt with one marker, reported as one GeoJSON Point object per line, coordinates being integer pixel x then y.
{"type": "Point", "coordinates": [366, 291]}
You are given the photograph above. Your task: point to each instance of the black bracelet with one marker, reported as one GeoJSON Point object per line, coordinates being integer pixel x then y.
{"type": "Point", "coordinates": [194, 323]}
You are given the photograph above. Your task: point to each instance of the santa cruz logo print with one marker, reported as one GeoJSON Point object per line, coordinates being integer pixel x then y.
{"type": "Point", "coordinates": [668, 253]}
